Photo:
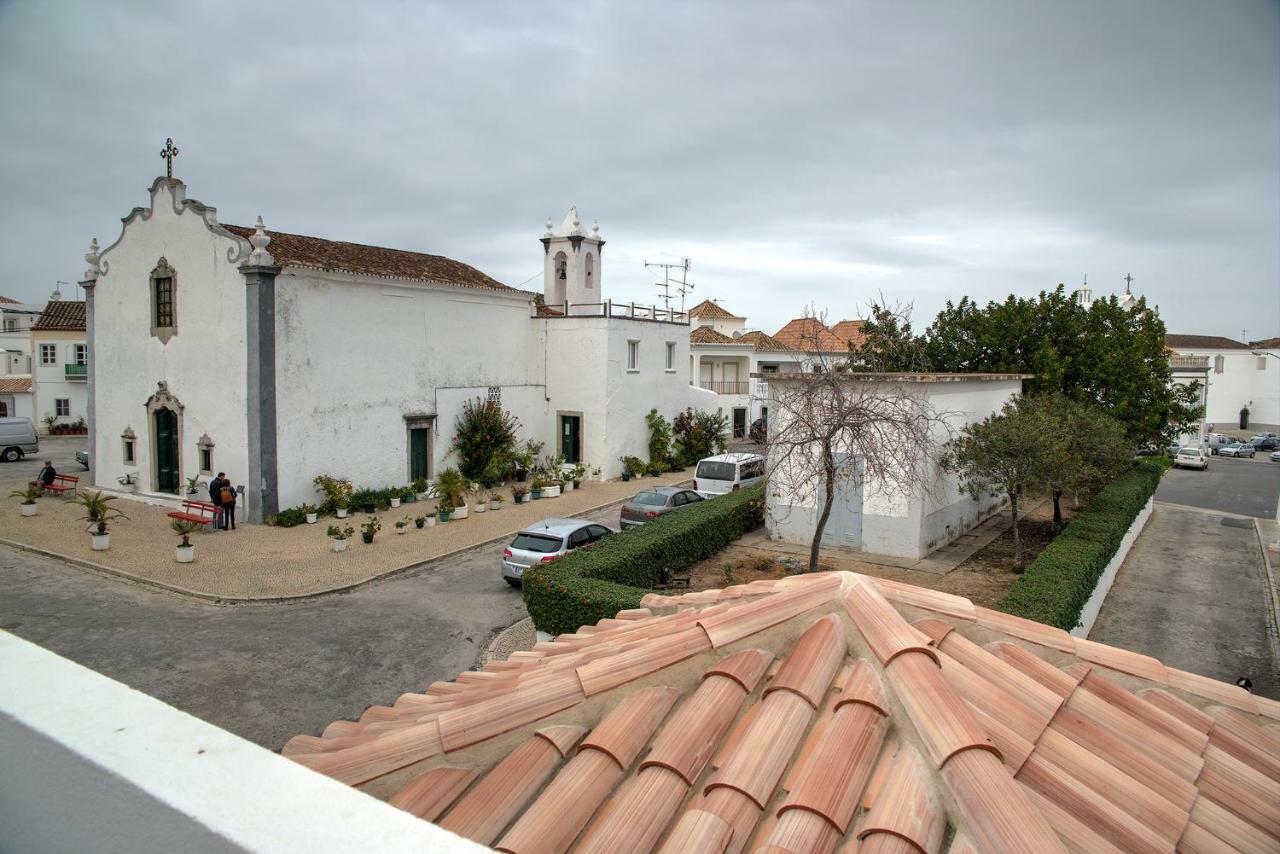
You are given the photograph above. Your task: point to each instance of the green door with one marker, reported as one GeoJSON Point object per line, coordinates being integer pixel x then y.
{"type": "Point", "coordinates": [419, 459]}
{"type": "Point", "coordinates": [570, 438]}
{"type": "Point", "coordinates": [167, 476]}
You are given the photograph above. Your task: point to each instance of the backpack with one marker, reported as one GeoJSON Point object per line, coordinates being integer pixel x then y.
{"type": "Point", "coordinates": [227, 495]}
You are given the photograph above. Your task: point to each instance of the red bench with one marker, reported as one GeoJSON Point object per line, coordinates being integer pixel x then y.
{"type": "Point", "coordinates": [62, 483]}
{"type": "Point", "coordinates": [201, 512]}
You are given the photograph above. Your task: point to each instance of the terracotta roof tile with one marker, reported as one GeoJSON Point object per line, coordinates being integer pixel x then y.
{"type": "Point", "coordinates": [711, 308]}
{"type": "Point", "coordinates": [1035, 739]}
{"type": "Point", "coordinates": [1203, 342]}
{"type": "Point", "coordinates": [297, 250]}
{"type": "Point", "coordinates": [808, 334]}
{"type": "Point", "coordinates": [15, 384]}
{"type": "Point", "coordinates": [850, 331]}
{"type": "Point", "coordinates": [61, 316]}
{"type": "Point", "coordinates": [707, 335]}
{"type": "Point", "coordinates": [763, 342]}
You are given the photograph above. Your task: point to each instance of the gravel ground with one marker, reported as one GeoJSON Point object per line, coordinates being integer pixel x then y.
{"type": "Point", "coordinates": [257, 562]}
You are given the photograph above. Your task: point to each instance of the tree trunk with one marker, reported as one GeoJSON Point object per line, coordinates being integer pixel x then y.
{"type": "Point", "coordinates": [829, 478]}
{"type": "Point", "coordinates": [1017, 539]}
{"type": "Point", "coordinates": [1057, 510]}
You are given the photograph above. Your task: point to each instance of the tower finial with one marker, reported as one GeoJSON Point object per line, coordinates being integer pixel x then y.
{"type": "Point", "coordinates": [169, 152]}
{"type": "Point", "coordinates": [259, 240]}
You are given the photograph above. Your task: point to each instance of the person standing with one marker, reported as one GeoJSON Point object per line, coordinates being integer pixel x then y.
{"type": "Point", "coordinates": [215, 498]}
{"type": "Point", "coordinates": [228, 495]}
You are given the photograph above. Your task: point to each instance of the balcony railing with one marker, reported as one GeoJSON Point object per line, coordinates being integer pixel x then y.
{"type": "Point", "coordinates": [611, 309]}
{"type": "Point", "coordinates": [1188, 361]}
{"type": "Point", "coordinates": [76, 373]}
{"type": "Point", "coordinates": [727, 386]}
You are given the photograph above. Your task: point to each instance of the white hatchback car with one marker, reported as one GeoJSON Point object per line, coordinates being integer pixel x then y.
{"type": "Point", "coordinates": [1191, 458]}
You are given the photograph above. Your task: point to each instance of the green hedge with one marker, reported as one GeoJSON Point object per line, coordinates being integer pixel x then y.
{"type": "Point", "coordinates": [1058, 583]}
{"type": "Point", "coordinates": [589, 585]}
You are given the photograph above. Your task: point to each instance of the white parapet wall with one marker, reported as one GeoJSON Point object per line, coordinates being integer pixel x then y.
{"type": "Point", "coordinates": [89, 764]}
{"type": "Point", "coordinates": [1089, 614]}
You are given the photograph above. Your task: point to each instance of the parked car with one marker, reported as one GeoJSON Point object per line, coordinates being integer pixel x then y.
{"type": "Point", "coordinates": [1191, 458]}
{"type": "Point", "coordinates": [759, 432]}
{"type": "Point", "coordinates": [1217, 441]}
{"type": "Point", "coordinates": [1265, 443]}
{"type": "Point", "coordinates": [652, 503]}
{"type": "Point", "coordinates": [17, 439]}
{"type": "Point", "coordinates": [82, 457]}
{"type": "Point", "coordinates": [544, 542]}
{"type": "Point", "coordinates": [1237, 449]}
{"type": "Point", "coordinates": [726, 473]}
{"type": "Point", "coordinates": [1275, 456]}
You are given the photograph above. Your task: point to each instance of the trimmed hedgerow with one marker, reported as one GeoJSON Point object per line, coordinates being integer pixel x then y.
{"type": "Point", "coordinates": [1058, 583]}
{"type": "Point", "coordinates": [597, 582]}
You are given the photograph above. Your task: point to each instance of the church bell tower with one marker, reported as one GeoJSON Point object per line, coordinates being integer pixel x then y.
{"type": "Point", "coordinates": [571, 267]}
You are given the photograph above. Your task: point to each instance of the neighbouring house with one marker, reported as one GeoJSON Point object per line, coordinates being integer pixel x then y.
{"type": "Point", "coordinates": [879, 517]}
{"type": "Point", "coordinates": [725, 357]}
{"type": "Point", "coordinates": [16, 399]}
{"type": "Point", "coordinates": [275, 357]}
{"type": "Point", "coordinates": [1237, 376]}
{"type": "Point", "coordinates": [60, 362]}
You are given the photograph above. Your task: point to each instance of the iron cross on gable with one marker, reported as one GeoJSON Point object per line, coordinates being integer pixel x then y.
{"type": "Point", "coordinates": [1128, 280]}
{"type": "Point", "coordinates": [169, 152]}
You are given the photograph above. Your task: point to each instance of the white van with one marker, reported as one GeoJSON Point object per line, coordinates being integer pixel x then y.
{"type": "Point", "coordinates": [727, 472]}
{"type": "Point", "coordinates": [1217, 441]}
{"type": "Point", "coordinates": [17, 439]}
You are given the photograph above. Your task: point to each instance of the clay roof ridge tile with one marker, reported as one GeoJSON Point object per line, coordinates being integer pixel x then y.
{"type": "Point", "coordinates": [648, 657]}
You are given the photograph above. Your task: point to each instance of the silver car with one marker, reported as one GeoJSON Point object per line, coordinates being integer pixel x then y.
{"type": "Point", "coordinates": [1237, 449]}
{"type": "Point", "coordinates": [652, 503]}
{"type": "Point", "coordinates": [544, 542]}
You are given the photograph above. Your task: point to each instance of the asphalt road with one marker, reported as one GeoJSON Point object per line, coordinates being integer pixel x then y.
{"type": "Point", "coordinates": [1249, 487]}
{"type": "Point", "coordinates": [268, 672]}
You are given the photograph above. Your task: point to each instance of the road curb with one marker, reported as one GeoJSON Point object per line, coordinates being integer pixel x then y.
{"type": "Point", "coordinates": [1273, 595]}
{"type": "Point", "coordinates": [256, 600]}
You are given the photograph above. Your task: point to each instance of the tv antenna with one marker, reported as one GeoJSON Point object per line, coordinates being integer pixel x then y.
{"type": "Point", "coordinates": [682, 285]}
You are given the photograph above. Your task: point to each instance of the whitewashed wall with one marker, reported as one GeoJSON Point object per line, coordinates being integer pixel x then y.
{"type": "Point", "coordinates": [354, 356]}
{"type": "Point", "coordinates": [204, 363]}
{"type": "Point", "coordinates": [51, 380]}
{"type": "Point", "coordinates": [1241, 382]}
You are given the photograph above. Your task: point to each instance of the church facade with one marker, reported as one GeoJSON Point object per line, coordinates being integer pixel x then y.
{"type": "Point", "coordinates": [276, 357]}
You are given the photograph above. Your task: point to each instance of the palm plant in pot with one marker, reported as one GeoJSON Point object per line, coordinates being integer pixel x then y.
{"type": "Point", "coordinates": [452, 488]}
{"type": "Point", "coordinates": [340, 537]}
{"type": "Point", "coordinates": [184, 528]}
{"type": "Point", "coordinates": [28, 498]}
{"type": "Point", "coordinates": [98, 512]}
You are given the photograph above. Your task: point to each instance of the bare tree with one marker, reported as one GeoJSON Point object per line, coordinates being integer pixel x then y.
{"type": "Point", "coordinates": [830, 424]}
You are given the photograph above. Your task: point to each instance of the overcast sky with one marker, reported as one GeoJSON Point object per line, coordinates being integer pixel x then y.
{"type": "Point", "coordinates": [797, 153]}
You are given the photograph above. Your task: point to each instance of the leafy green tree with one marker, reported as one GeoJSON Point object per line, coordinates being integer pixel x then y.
{"type": "Point", "coordinates": [888, 343]}
{"type": "Point", "coordinates": [994, 456]}
{"type": "Point", "coordinates": [1080, 446]}
{"type": "Point", "coordinates": [482, 433]}
{"type": "Point", "coordinates": [698, 434]}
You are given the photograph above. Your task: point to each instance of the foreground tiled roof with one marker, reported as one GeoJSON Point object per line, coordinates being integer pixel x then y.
{"type": "Point", "coordinates": [707, 308]}
{"type": "Point", "coordinates": [764, 343]}
{"type": "Point", "coordinates": [818, 712]}
{"type": "Point", "coordinates": [61, 316]}
{"type": "Point", "coordinates": [850, 331]}
{"type": "Point", "coordinates": [20, 384]}
{"type": "Point", "coordinates": [707, 335]}
{"type": "Point", "coordinates": [1203, 342]}
{"type": "Point", "coordinates": [298, 250]}
{"type": "Point", "coordinates": [808, 333]}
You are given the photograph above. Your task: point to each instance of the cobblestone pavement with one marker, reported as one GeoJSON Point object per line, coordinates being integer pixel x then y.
{"type": "Point", "coordinates": [257, 562]}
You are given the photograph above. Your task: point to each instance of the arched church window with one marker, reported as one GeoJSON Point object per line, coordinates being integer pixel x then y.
{"type": "Point", "coordinates": [562, 262]}
{"type": "Point", "coordinates": [591, 270]}
{"type": "Point", "coordinates": [164, 309]}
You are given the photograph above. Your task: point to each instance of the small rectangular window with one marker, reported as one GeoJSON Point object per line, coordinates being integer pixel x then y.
{"type": "Point", "coordinates": [82, 354]}
{"type": "Point", "coordinates": [1262, 363]}
{"type": "Point", "coordinates": [62, 407]}
{"type": "Point", "coordinates": [128, 450]}
{"type": "Point", "coordinates": [164, 301]}
{"type": "Point", "coordinates": [671, 355]}
{"type": "Point", "coordinates": [206, 459]}
{"type": "Point", "coordinates": [633, 355]}
{"type": "Point", "coordinates": [48, 354]}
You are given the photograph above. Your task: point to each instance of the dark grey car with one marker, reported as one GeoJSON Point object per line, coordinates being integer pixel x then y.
{"type": "Point", "coordinates": [652, 503]}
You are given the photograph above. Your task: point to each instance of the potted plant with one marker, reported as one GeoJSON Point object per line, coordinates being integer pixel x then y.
{"type": "Point", "coordinates": [340, 537]}
{"type": "Point", "coordinates": [312, 515]}
{"type": "Point", "coordinates": [576, 474]}
{"type": "Point", "coordinates": [402, 527]}
{"type": "Point", "coordinates": [421, 489]}
{"type": "Point", "coordinates": [431, 520]}
{"type": "Point", "coordinates": [184, 528]}
{"type": "Point", "coordinates": [631, 467]}
{"type": "Point", "coordinates": [552, 488]}
{"type": "Point", "coordinates": [369, 527]}
{"type": "Point", "coordinates": [481, 505]}
{"type": "Point", "coordinates": [193, 485]}
{"type": "Point", "coordinates": [29, 495]}
{"type": "Point", "coordinates": [337, 492]}
{"type": "Point", "coordinates": [395, 500]}
{"type": "Point", "coordinates": [538, 485]}
{"type": "Point", "coordinates": [408, 496]}
{"type": "Point", "coordinates": [128, 481]}
{"type": "Point", "coordinates": [419, 522]}
{"type": "Point", "coordinates": [340, 507]}
{"type": "Point", "coordinates": [98, 512]}
{"type": "Point", "coordinates": [520, 493]}
{"type": "Point", "coordinates": [495, 501]}
{"type": "Point", "coordinates": [443, 512]}
{"type": "Point", "coordinates": [452, 488]}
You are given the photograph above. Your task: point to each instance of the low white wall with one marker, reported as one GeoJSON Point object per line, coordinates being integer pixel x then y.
{"type": "Point", "coordinates": [1091, 608]}
{"type": "Point", "coordinates": [89, 764]}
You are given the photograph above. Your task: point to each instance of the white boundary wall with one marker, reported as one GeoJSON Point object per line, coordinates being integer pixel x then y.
{"type": "Point", "coordinates": [1089, 614]}
{"type": "Point", "coordinates": [89, 764]}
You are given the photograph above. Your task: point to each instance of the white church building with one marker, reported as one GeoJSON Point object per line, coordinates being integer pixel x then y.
{"type": "Point", "coordinates": [275, 357]}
